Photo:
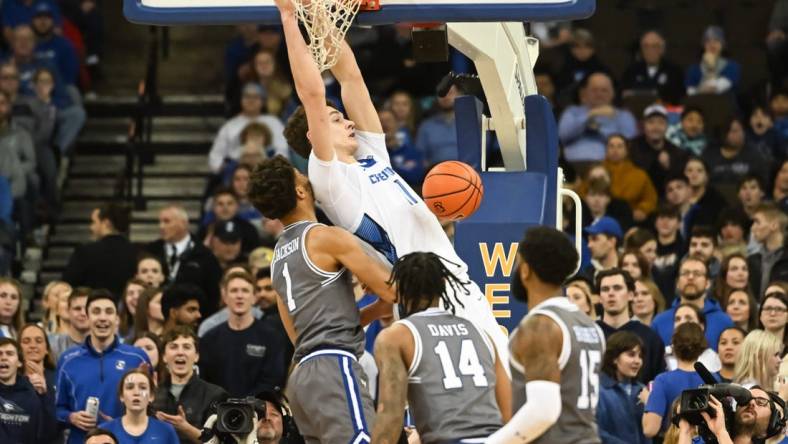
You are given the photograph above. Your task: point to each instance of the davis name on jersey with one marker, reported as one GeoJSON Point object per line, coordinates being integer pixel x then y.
{"type": "Point", "coordinates": [448, 330]}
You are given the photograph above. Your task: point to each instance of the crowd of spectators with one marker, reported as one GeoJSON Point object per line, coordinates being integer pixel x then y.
{"type": "Point", "coordinates": [49, 57]}
{"type": "Point", "coordinates": [122, 331]}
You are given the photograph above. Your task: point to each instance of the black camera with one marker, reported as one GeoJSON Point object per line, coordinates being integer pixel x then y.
{"type": "Point", "coordinates": [695, 401]}
{"type": "Point", "coordinates": [235, 416]}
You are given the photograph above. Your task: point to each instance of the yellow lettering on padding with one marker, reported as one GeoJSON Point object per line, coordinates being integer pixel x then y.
{"type": "Point", "coordinates": [490, 291]}
{"type": "Point", "coordinates": [498, 258]}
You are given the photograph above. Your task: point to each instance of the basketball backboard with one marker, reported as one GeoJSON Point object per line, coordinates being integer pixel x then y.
{"type": "Point", "coordinates": [181, 12]}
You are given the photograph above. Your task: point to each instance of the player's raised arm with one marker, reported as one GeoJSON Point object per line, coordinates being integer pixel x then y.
{"type": "Point", "coordinates": [344, 248]}
{"type": "Point", "coordinates": [393, 385]}
{"type": "Point", "coordinates": [308, 82]}
{"type": "Point", "coordinates": [355, 95]}
{"type": "Point", "coordinates": [537, 345]}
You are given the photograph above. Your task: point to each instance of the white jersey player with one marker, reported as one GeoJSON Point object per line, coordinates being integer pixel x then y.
{"type": "Point", "coordinates": [357, 188]}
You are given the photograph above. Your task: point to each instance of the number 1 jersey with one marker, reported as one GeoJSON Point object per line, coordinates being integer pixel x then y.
{"type": "Point", "coordinates": [320, 303]}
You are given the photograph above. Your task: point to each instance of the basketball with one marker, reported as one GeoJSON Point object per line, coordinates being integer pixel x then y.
{"type": "Point", "coordinates": [453, 190]}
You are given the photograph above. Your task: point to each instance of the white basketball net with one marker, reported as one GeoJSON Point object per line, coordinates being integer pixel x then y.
{"type": "Point", "coordinates": [326, 23]}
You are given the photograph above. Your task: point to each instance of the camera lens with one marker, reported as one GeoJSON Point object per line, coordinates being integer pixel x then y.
{"type": "Point", "coordinates": [234, 419]}
{"type": "Point", "coordinates": [698, 403]}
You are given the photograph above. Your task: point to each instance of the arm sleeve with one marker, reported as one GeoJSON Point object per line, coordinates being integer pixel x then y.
{"type": "Point", "coordinates": [627, 123]}
{"type": "Point", "coordinates": [730, 76]}
{"type": "Point", "coordinates": [63, 401]}
{"type": "Point", "coordinates": [572, 124]}
{"type": "Point", "coordinates": [693, 77]}
{"type": "Point", "coordinates": [219, 150]}
{"type": "Point", "coordinates": [657, 401]}
{"type": "Point", "coordinates": [75, 269]}
{"type": "Point", "coordinates": [48, 421]}
{"type": "Point", "coordinates": [336, 191]}
{"type": "Point", "coordinates": [372, 144]}
{"type": "Point", "coordinates": [535, 417]}
{"type": "Point", "coordinates": [274, 375]}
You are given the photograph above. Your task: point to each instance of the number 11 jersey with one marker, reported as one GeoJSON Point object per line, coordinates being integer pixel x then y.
{"type": "Point", "coordinates": [369, 199]}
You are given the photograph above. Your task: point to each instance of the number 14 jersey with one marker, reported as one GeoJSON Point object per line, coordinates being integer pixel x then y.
{"type": "Point", "coordinates": [451, 380]}
{"type": "Point", "coordinates": [580, 361]}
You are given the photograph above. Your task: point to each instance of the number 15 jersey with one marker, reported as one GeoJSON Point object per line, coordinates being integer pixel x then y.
{"type": "Point", "coordinates": [580, 361]}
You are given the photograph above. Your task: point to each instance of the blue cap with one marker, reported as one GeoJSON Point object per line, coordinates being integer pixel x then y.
{"type": "Point", "coordinates": [605, 225]}
{"type": "Point", "coordinates": [714, 33]}
{"type": "Point", "coordinates": [43, 8]}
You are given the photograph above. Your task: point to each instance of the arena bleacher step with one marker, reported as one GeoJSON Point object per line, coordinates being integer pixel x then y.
{"type": "Point", "coordinates": [186, 105]}
{"type": "Point", "coordinates": [79, 211]}
{"type": "Point", "coordinates": [176, 187]}
{"type": "Point", "coordinates": [102, 165]}
{"type": "Point", "coordinates": [183, 129]}
{"type": "Point", "coordinates": [74, 234]}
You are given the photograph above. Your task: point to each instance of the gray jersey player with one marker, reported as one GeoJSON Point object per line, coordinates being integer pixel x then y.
{"type": "Point", "coordinates": [311, 274]}
{"type": "Point", "coordinates": [556, 352]}
{"type": "Point", "coordinates": [444, 367]}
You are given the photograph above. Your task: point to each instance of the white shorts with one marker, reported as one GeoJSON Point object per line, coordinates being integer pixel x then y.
{"type": "Point", "coordinates": [478, 310]}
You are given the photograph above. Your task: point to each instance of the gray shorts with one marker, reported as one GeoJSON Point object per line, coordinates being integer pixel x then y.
{"type": "Point", "coordinates": [330, 400]}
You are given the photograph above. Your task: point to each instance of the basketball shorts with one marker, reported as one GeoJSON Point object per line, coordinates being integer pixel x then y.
{"type": "Point", "coordinates": [478, 310]}
{"type": "Point", "coordinates": [330, 400]}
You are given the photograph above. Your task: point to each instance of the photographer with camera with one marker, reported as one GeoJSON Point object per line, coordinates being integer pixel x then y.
{"type": "Point", "coordinates": [752, 422]}
{"type": "Point", "coordinates": [264, 419]}
{"type": "Point", "coordinates": [277, 426]}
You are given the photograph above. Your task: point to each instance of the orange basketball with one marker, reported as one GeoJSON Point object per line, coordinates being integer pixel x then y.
{"type": "Point", "coordinates": [453, 190]}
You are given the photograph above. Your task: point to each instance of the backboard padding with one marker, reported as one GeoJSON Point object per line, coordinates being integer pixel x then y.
{"type": "Point", "coordinates": [182, 12]}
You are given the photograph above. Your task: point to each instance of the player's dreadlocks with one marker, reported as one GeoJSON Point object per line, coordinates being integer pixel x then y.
{"type": "Point", "coordinates": [420, 278]}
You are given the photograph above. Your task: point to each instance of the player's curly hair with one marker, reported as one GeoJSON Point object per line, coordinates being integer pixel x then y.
{"type": "Point", "coordinates": [549, 253]}
{"type": "Point", "coordinates": [272, 187]}
{"type": "Point", "coordinates": [420, 278]}
{"type": "Point", "coordinates": [296, 129]}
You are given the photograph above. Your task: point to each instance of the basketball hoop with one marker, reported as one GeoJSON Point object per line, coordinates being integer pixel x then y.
{"type": "Point", "coordinates": [326, 23]}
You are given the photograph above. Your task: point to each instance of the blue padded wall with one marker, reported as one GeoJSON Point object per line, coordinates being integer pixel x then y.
{"type": "Point", "coordinates": [513, 201]}
{"type": "Point", "coordinates": [542, 149]}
